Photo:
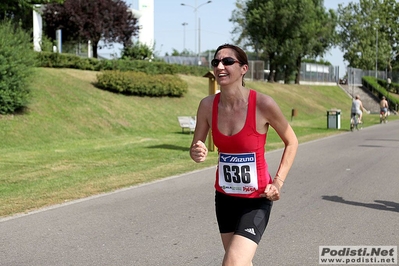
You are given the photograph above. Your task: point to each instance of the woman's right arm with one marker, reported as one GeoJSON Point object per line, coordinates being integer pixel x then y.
{"type": "Point", "coordinates": [363, 109]}
{"type": "Point", "coordinates": [198, 149]}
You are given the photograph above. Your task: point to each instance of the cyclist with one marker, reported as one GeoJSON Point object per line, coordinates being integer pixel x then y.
{"type": "Point", "coordinates": [383, 109]}
{"type": "Point", "coordinates": [357, 108]}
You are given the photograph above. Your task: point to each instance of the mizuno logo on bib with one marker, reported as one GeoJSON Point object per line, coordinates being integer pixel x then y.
{"type": "Point", "coordinates": [237, 173]}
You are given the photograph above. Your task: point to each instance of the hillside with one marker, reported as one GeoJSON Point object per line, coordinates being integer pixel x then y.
{"type": "Point", "coordinates": [75, 140]}
{"type": "Point", "coordinates": [67, 106]}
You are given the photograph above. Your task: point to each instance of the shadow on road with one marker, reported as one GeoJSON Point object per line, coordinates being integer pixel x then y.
{"type": "Point", "coordinates": [383, 139]}
{"type": "Point", "coordinates": [378, 205]}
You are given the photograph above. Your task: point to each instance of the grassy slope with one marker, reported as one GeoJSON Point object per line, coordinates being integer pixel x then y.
{"type": "Point", "coordinates": [76, 140]}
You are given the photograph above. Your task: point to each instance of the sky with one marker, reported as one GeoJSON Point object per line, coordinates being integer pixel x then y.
{"type": "Point", "coordinates": [215, 28]}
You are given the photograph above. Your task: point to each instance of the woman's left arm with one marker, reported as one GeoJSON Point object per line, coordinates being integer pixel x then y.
{"type": "Point", "coordinates": [274, 117]}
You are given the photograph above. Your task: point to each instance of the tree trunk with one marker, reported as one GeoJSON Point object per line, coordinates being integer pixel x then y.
{"type": "Point", "coordinates": [287, 74]}
{"type": "Point", "coordinates": [95, 46]}
{"type": "Point", "coordinates": [298, 70]}
{"type": "Point", "coordinates": [272, 68]}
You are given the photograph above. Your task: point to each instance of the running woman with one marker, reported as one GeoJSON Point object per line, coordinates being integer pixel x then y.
{"type": "Point", "coordinates": [239, 119]}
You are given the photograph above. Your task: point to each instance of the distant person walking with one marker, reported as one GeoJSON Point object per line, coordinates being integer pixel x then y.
{"type": "Point", "coordinates": [239, 119]}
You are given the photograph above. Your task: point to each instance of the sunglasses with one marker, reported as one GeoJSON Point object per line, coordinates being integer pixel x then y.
{"type": "Point", "coordinates": [227, 61]}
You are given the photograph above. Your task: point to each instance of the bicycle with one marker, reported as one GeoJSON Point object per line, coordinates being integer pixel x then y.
{"type": "Point", "coordinates": [355, 122]}
{"type": "Point", "coordinates": [383, 117]}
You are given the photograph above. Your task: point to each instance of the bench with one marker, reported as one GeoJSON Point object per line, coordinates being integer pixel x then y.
{"type": "Point", "coordinates": [187, 122]}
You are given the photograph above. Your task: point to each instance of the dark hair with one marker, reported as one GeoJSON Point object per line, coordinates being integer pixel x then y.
{"type": "Point", "coordinates": [240, 54]}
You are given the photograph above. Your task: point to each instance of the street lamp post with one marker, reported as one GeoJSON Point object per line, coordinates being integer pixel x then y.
{"type": "Point", "coordinates": [351, 81]}
{"type": "Point", "coordinates": [184, 35]}
{"type": "Point", "coordinates": [376, 54]}
{"type": "Point", "coordinates": [196, 28]}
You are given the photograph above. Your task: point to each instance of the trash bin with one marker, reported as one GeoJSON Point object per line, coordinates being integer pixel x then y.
{"type": "Point", "coordinates": [334, 118]}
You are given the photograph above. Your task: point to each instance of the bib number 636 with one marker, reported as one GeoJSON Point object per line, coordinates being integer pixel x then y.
{"type": "Point", "coordinates": [237, 174]}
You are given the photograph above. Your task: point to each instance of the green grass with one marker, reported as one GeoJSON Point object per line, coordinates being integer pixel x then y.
{"type": "Point", "coordinates": [75, 140]}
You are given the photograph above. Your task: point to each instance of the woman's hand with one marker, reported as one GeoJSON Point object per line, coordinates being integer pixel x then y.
{"type": "Point", "coordinates": [272, 191]}
{"type": "Point", "coordinates": [198, 151]}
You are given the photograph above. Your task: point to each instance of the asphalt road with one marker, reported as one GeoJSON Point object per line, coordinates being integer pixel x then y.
{"type": "Point", "coordinates": [342, 190]}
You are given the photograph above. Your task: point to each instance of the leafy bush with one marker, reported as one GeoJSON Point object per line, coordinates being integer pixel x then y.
{"type": "Point", "coordinates": [142, 84]}
{"type": "Point", "coordinates": [17, 60]}
{"type": "Point", "coordinates": [46, 44]}
{"type": "Point", "coordinates": [137, 51]}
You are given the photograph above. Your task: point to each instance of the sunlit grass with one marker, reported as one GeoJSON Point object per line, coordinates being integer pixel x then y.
{"type": "Point", "coordinates": [76, 140]}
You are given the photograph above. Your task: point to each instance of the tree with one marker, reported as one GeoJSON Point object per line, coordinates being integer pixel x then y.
{"type": "Point", "coordinates": [284, 31]}
{"type": "Point", "coordinates": [185, 52]}
{"type": "Point", "coordinates": [368, 33]}
{"type": "Point", "coordinates": [21, 11]}
{"type": "Point", "coordinates": [92, 20]}
{"type": "Point", "coordinates": [240, 30]}
{"type": "Point", "coordinates": [316, 32]}
{"type": "Point", "coordinates": [175, 52]}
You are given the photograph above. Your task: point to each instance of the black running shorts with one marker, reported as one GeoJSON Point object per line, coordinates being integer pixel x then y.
{"type": "Point", "coordinates": [246, 217]}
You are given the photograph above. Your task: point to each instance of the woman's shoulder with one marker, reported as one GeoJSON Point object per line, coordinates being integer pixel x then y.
{"type": "Point", "coordinates": [263, 99]}
{"type": "Point", "coordinates": [208, 100]}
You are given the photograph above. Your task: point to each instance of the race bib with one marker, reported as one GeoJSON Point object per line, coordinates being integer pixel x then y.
{"type": "Point", "coordinates": [237, 173]}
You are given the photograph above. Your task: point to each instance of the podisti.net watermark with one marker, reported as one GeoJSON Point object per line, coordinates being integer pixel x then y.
{"type": "Point", "coordinates": [372, 255]}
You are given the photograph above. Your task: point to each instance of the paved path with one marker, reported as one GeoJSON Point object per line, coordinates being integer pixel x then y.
{"type": "Point", "coordinates": [342, 190]}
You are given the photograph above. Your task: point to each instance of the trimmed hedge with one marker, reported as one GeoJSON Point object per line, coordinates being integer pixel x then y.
{"type": "Point", "coordinates": [141, 84]}
{"type": "Point", "coordinates": [393, 87]}
{"type": "Point", "coordinates": [56, 60]}
{"type": "Point", "coordinates": [374, 86]}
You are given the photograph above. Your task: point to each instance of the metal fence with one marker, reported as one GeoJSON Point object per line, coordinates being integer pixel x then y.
{"type": "Point", "coordinates": [184, 60]}
{"type": "Point", "coordinates": [313, 73]}
{"type": "Point", "coordinates": [355, 75]}
{"type": "Point", "coordinates": [319, 73]}
{"type": "Point", "coordinates": [203, 60]}
{"type": "Point", "coordinates": [256, 70]}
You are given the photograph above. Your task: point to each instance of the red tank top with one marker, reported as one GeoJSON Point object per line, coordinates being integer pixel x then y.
{"type": "Point", "coordinates": [242, 169]}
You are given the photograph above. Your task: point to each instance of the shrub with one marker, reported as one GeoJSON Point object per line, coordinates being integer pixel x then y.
{"type": "Point", "coordinates": [137, 51]}
{"type": "Point", "coordinates": [17, 60]}
{"type": "Point", "coordinates": [142, 84]}
{"type": "Point", "coordinates": [47, 44]}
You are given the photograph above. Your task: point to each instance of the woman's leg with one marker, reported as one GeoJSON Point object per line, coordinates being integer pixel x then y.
{"type": "Point", "coordinates": [226, 239]}
{"type": "Point", "coordinates": [239, 250]}
{"type": "Point", "coordinates": [241, 223]}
